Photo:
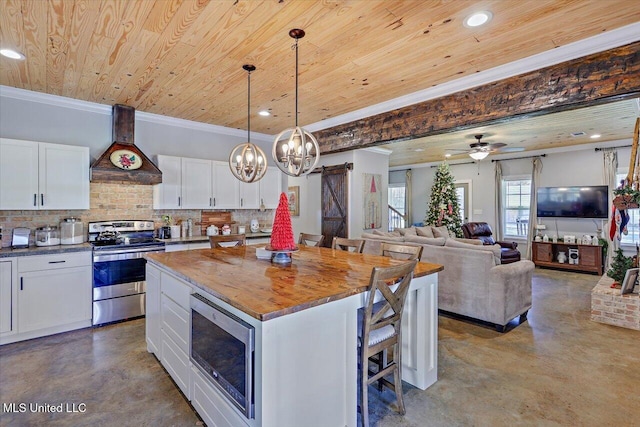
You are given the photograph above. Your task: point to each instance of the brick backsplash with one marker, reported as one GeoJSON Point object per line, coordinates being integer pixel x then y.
{"type": "Point", "coordinates": [117, 200]}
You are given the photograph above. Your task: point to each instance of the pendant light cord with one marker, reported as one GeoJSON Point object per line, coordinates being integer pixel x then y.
{"type": "Point", "coordinates": [249, 106]}
{"type": "Point", "coordinates": [296, 46]}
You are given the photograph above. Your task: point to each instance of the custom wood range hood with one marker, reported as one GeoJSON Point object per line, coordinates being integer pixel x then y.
{"type": "Point", "coordinates": [123, 161]}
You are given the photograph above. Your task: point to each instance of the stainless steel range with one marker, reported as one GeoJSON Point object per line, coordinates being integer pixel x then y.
{"type": "Point", "coordinates": [119, 268]}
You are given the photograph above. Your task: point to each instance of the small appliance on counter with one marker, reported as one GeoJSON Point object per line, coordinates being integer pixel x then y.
{"type": "Point", "coordinates": [164, 232]}
{"type": "Point", "coordinates": [255, 226]}
{"type": "Point", "coordinates": [212, 230]}
{"type": "Point", "coordinates": [20, 238]}
{"type": "Point", "coordinates": [71, 231]}
{"type": "Point", "coordinates": [49, 235]}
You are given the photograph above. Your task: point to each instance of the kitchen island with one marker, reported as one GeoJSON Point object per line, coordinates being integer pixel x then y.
{"type": "Point", "coordinates": [305, 320]}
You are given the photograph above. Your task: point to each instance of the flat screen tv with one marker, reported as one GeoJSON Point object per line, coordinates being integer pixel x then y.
{"type": "Point", "coordinates": [573, 202]}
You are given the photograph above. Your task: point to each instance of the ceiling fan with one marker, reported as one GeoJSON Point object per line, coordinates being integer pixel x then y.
{"type": "Point", "coordinates": [480, 150]}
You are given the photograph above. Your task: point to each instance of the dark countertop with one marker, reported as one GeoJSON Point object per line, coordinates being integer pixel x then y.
{"type": "Point", "coordinates": [45, 250]}
{"type": "Point", "coordinates": [200, 239]}
{"type": "Point", "coordinates": [264, 290]}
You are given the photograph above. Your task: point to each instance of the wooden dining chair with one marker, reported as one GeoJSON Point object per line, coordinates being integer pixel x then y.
{"type": "Point", "coordinates": [311, 239]}
{"type": "Point", "coordinates": [380, 330]}
{"type": "Point", "coordinates": [398, 251]}
{"type": "Point", "coordinates": [351, 245]}
{"type": "Point", "coordinates": [225, 241]}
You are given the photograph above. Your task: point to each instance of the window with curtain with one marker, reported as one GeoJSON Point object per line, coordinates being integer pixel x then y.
{"type": "Point", "coordinates": [633, 228]}
{"type": "Point", "coordinates": [516, 196]}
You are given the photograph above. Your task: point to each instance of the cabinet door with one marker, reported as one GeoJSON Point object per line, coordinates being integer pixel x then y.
{"type": "Point", "coordinates": [226, 192]}
{"type": "Point", "coordinates": [64, 177]}
{"type": "Point", "coordinates": [18, 174]}
{"type": "Point", "coordinates": [50, 298]}
{"type": "Point", "coordinates": [271, 187]}
{"type": "Point", "coordinates": [168, 195]}
{"type": "Point", "coordinates": [196, 184]}
{"type": "Point", "coordinates": [153, 318]}
{"type": "Point", "coordinates": [6, 298]}
{"type": "Point", "coordinates": [249, 195]}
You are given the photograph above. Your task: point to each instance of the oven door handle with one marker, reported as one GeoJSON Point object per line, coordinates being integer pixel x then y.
{"type": "Point", "coordinates": [123, 254]}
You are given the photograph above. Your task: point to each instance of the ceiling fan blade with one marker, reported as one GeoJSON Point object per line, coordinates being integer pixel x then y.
{"type": "Point", "coordinates": [458, 150]}
{"type": "Point", "coordinates": [497, 145]}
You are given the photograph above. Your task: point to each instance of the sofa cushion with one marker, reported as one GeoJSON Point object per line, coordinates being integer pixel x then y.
{"type": "Point", "coordinates": [383, 238]}
{"type": "Point", "coordinates": [495, 249]}
{"type": "Point", "coordinates": [409, 231]}
{"type": "Point", "coordinates": [441, 231]}
{"type": "Point", "coordinates": [434, 241]}
{"type": "Point", "coordinates": [424, 231]}
{"type": "Point", "coordinates": [470, 241]}
{"type": "Point", "coordinates": [394, 233]}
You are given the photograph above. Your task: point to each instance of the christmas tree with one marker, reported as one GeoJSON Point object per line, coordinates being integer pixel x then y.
{"type": "Point", "coordinates": [282, 232]}
{"type": "Point", "coordinates": [619, 266]}
{"type": "Point", "coordinates": [443, 208]}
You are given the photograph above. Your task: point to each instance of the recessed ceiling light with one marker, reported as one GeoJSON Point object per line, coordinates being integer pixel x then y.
{"type": "Point", "coordinates": [447, 155]}
{"type": "Point", "coordinates": [478, 18]}
{"type": "Point", "coordinates": [10, 53]}
{"type": "Point", "coordinates": [595, 135]}
{"type": "Point", "coordinates": [419, 149]}
{"type": "Point", "coordinates": [264, 113]}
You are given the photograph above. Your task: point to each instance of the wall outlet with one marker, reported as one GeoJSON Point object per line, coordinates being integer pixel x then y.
{"type": "Point", "coordinates": [541, 227]}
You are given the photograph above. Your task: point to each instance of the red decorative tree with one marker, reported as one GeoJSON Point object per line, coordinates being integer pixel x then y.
{"type": "Point", "coordinates": [282, 232]}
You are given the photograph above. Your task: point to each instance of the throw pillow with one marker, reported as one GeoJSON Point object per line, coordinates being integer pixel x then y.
{"type": "Point", "coordinates": [434, 241]}
{"type": "Point", "coordinates": [387, 233]}
{"type": "Point", "coordinates": [409, 231]}
{"type": "Point", "coordinates": [424, 232]}
{"type": "Point", "coordinates": [496, 250]}
{"type": "Point", "coordinates": [441, 231]}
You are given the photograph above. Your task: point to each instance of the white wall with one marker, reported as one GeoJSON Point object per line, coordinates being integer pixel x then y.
{"type": "Point", "coordinates": [46, 118]}
{"type": "Point", "coordinates": [364, 161]}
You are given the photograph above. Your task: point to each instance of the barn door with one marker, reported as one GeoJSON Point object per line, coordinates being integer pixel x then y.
{"type": "Point", "coordinates": [335, 199]}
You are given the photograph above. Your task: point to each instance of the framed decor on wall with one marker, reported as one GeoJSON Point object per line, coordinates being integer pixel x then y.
{"type": "Point", "coordinates": [293, 194]}
{"type": "Point", "coordinates": [372, 201]}
{"type": "Point", "coordinates": [630, 278]}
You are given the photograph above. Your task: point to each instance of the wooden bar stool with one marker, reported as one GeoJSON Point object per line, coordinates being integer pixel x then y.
{"type": "Point", "coordinates": [351, 245]}
{"type": "Point", "coordinates": [379, 330]}
{"type": "Point", "coordinates": [226, 241]}
{"type": "Point", "coordinates": [311, 239]}
{"type": "Point", "coordinates": [398, 251]}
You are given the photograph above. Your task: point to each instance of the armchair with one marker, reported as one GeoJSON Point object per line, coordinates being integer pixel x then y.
{"type": "Point", "coordinates": [482, 231]}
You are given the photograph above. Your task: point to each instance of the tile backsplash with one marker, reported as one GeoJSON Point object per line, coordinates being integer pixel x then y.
{"type": "Point", "coordinates": [117, 200]}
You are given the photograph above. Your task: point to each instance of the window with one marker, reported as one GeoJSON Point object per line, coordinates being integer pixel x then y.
{"type": "Point", "coordinates": [397, 202]}
{"type": "Point", "coordinates": [633, 227]}
{"type": "Point", "coordinates": [516, 201]}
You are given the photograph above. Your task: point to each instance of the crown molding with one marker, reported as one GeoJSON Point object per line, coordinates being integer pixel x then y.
{"type": "Point", "coordinates": [93, 107]}
{"type": "Point", "coordinates": [599, 43]}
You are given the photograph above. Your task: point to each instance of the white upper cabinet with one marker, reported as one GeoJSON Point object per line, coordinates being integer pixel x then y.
{"type": "Point", "coordinates": [196, 184]}
{"type": "Point", "coordinates": [271, 187]}
{"type": "Point", "coordinates": [38, 175]}
{"type": "Point", "coordinates": [168, 195]}
{"type": "Point", "coordinates": [226, 188]}
{"type": "Point", "coordinates": [209, 184]}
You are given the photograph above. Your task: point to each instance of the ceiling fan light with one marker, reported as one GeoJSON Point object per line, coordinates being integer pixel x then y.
{"type": "Point", "coordinates": [478, 155]}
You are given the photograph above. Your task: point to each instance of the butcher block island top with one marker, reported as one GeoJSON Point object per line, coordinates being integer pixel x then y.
{"type": "Point", "coordinates": [266, 291]}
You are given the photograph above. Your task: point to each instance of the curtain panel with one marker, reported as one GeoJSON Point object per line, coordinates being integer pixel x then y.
{"type": "Point", "coordinates": [533, 217]}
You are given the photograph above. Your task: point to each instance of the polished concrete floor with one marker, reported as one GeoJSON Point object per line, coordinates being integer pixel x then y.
{"type": "Point", "coordinates": [556, 369]}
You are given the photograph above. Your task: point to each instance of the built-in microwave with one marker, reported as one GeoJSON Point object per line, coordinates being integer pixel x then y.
{"type": "Point", "coordinates": [222, 347]}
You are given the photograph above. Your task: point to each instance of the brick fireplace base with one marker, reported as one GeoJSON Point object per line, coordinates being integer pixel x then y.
{"type": "Point", "coordinates": [608, 306]}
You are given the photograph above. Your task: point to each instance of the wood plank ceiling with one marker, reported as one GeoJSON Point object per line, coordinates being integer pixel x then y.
{"type": "Point", "coordinates": [183, 58]}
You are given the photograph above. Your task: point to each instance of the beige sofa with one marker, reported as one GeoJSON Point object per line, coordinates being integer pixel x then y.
{"type": "Point", "coordinates": [473, 283]}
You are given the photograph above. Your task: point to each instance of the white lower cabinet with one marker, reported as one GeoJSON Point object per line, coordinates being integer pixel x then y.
{"type": "Point", "coordinates": [176, 362]}
{"type": "Point", "coordinates": [53, 294]}
{"type": "Point", "coordinates": [214, 408]}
